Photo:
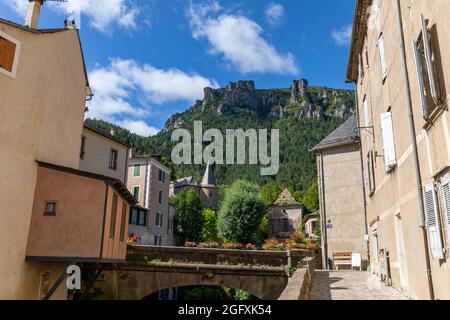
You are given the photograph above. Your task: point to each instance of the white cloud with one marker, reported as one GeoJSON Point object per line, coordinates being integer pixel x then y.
{"type": "Point", "coordinates": [123, 82]}
{"type": "Point", "coordinates": [274, 14]}
{"type": "Point", "coordinates": [342, 36]}
{"type": "Point", "coordinates": [103, 15]}
{"type": "Point", "coordinates": [138, 127]}
{"type": "Point", "coordinates": [239, 40]}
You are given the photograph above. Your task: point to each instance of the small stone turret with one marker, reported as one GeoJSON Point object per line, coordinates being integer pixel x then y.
{"type": "Point", "coordinates": [208, 190]}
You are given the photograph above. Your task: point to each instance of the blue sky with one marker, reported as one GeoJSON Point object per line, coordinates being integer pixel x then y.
{"type": "Point", "coordinates": [148, 59]}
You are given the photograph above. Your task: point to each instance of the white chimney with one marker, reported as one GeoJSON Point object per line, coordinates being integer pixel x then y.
{"type": "Point", "coordinates": [34, 9]}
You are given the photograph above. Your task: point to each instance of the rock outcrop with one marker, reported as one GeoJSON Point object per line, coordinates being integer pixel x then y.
{"type": "Point", "coordinates": [299, 100]}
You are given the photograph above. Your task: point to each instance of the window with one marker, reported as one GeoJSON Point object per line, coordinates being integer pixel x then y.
{"type": "Point", "coordinates": [159, 219]}
{"type": "Point", "coordinates": [50, 208]}
{"type": "Point", "coordinates": [387, 134]}
{"type": "Point", "coordinates": [162, 176]}
{"type": "Point", "coordinates": [160, 197]}
{"type": "Point", "coordinates": [83, 147]}
{"type": "Point", "coordinates": [157, 241]}
{"type": "Point", "coordinates": [433, 224]}
{"type": "Point", "coordinates": [143, 218]}
{"type": "Point", "coordinates": [113, 159]}
{"type": "Point", "coordinates": [122, 222]}
{"type": "Point", "coordinates": [367, 58]}
{"type": "Point", "coordinates": [382, 55]}
{"type": "Point", "coordinates": [371, 172]}
{"type": "Point", "coordinates": [169, 224]}
{"type": "Point", "coordinates": [426, 71]}
{"type": "Point", "coordinates": [137, 170]}
{"type": "Point", "coordinates": [136, 192]}
{"type": "Point", "coordinates": [286, 225]}
{"type": "Point", "coordinates": [134, 216]}
{"type": "Point", "coordinates": [7, 54]}
{"type": "Point", "coordinates": [113, 217]}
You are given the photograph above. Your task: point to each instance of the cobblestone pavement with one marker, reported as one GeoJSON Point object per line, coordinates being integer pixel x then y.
{"type": "Point", "coordinates": [351, 285]}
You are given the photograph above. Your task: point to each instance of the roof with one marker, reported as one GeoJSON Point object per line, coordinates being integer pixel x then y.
{"type": "Point", "coordinates": [208, 178]}
{"type": "Point", "coordinates": [113, 182]}
{"type": "Point", "coordinates": [358, 35]}
{"type": "Point", "coordinates": [106, 135]}
{"type": "Point", "coordinates": [286, 199]}
{"type": "Point", "coordinates": [152, 157]}
{"type": "Point", "coordinates": [345, 134]}
{"type": "Point", "coordinates": [53, 30]}
{"type": "Point", "coordinates": [183, 182]}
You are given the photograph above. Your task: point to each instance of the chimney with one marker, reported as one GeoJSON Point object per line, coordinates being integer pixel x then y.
{"type": "Point", "coordinates": [34, 9]}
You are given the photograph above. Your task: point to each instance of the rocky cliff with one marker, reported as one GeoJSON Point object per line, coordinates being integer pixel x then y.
{"type": "Point", "coordinates": [300, 101]}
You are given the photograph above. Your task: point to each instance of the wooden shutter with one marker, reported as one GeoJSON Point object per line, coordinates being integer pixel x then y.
{"type": "Point", "coordinates": [445, 188]}
{"type": "Point", "coordinates": [387, 132]}
{"type": "Point", "coordinates": [7, 53]}
{"type": "Point", "coordinates": [429, 59]}
{"type": "Point", "coordinates": [382, 54]}
{"type": "Point", "coordinates": [422, 90]}
{"type": "Point", "coordinates": [432, 219]}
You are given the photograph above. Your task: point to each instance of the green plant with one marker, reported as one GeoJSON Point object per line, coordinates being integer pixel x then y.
{"type": "Point", "coordinates": [188, 215]}
{"type": "Point", "coordinates": [241, 212]}
{"type": "Point", "coordinates": [209, 231]}
{"type": "Point", "coordinates": [273, 245]}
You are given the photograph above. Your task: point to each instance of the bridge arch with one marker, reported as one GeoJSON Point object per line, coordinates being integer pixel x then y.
{"type": "Point", "coordinates": [262, 284]}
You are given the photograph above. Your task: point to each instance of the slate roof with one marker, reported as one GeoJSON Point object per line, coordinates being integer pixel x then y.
{"type": "Point", "coordinates": [208, 178]}
{"type": "Point", "coordinates": [286, 199]}
{"type": "Point", "coordinates": [344, 134]}
{"type": "Point", "coordinates": [187, 181]}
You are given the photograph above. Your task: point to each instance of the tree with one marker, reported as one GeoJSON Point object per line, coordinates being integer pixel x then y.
{"type": "Point", "coordinates": [310, 198]}
{"type": "Point", "coordinates": [241, 212]}
{"type": "Point", "coordinates": [209, 232]}
{"type": "Point", "coordinates": [262, 234]}
{"type": "Point", "coordinates": [188, 216]}
{"type": "Point", "coordinates": [270, 192]}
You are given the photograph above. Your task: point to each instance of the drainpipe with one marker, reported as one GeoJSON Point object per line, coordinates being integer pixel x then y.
{"type": "Point", "coordinates": [324, 217]}
{"type": "Point", "coordinates": [366, 226]}
{"type": "Point", "coordinates": [414, 146]}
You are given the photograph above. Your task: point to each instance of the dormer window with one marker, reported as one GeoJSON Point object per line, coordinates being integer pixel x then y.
{"type": "Point", "coordinates": [9, 49]}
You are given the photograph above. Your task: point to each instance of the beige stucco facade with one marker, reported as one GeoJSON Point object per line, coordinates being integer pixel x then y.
{"type": "Point", "coordinates": [153, 195]}
{"type": "Point", "coordinates": [96, 151]}
{"type": "Point", "coordinates": [42, 109]}
{"type": "Point", "coordinates": [394, 217]}
{"type": "Point", "coordinates": [342, 201]}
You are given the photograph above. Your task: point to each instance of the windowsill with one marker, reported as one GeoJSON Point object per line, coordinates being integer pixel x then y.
{"type": "Point", "coordinates": [434, 116]}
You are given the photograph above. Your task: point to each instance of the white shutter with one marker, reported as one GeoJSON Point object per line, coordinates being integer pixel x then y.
{"type": "Point", "coordinates": [382, 54]}
{"type": "Point", "coordinates": [387, 132]}
{"type": "Point", "coordinates": [422, 92]}
{"type": "Point", "coordinates": [366, 112]}
{"type": "Point", "coordinates": [430, 59]}
{"type": "Point", "coordinates": [445, 188]}
{"type": "Point", "coordinates": [432, 217]}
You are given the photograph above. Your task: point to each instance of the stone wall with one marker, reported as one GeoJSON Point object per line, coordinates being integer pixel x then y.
{"type": "Point", "coordinates": [289, 258]}
{"type": "Point", "coordinates": [300, 284]}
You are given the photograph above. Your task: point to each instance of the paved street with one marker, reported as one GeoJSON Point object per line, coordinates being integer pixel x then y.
{"type": "Point", "coordinates": [351, 285]}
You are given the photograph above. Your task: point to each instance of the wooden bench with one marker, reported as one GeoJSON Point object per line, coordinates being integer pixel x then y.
{"type": "Point", "coordinates": [342, 259]}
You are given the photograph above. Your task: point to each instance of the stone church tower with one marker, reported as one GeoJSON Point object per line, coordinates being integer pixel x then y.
{"type": "Point", "coordinates": [209, 194]}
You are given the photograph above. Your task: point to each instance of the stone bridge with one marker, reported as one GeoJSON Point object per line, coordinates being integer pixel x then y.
{"type": "Point", "coordinates": [263, 274]}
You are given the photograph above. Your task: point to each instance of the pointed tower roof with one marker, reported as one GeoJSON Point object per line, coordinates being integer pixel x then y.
{"type": "Point", "coordinates": [286, 199]}
{"type": "Point", "coordinates": [209, 180]}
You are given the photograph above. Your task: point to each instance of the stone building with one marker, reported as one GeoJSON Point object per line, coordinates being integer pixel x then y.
{"type": "Point", "coordinates": [399, 61]}
{"type": "Point", "coordinates": [206, 190]}
{"type": "Point", "coordinates": [152, 219]}
{"type": "Point", "coordinates": [285, 216]}
{"type": "Point", "coordinates": [48, 204]}
{"type": "Point", "coordinates": [341, 193]}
